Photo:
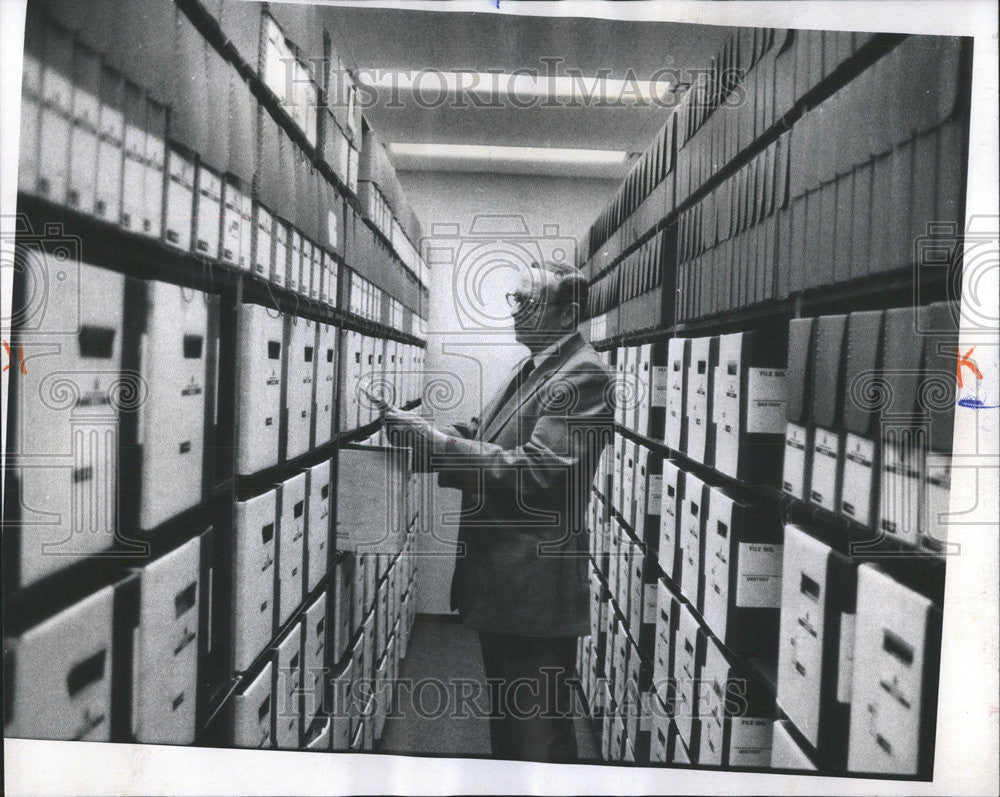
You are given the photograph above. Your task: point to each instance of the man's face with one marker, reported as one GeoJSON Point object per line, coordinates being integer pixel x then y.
{"type": "Point", "coordinates": [533, 313]}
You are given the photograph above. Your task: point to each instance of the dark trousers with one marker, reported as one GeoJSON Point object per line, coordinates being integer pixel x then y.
{"type": "Point", "coordinates": [530, 700]}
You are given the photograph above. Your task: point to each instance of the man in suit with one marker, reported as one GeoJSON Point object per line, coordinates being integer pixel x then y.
{"type": "Point", "coordinates": [525, 468]}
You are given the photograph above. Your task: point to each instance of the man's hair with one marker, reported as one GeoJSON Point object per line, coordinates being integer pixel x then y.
{"type": "Point", "coordinates": [570, 285]}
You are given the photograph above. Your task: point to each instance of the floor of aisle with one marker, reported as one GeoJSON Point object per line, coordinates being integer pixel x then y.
{"type": "Point", "coordinates": [443, 661]}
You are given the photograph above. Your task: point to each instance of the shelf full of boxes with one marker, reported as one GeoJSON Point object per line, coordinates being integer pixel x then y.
{"type": "Point", "coordinates": [201, 294]}
{"type": "Point", "coordinates": [770, 287]}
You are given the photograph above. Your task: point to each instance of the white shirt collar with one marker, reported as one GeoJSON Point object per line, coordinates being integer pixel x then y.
{"type": "Point", "coordinates": [551, 349]}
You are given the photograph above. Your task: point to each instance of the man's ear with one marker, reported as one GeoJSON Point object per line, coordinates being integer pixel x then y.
{"type": "Point", "coordinates": [570, 318]}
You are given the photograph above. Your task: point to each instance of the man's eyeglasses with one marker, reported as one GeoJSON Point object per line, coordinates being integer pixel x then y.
{"type": "Point", "coordinates": [521, 303]}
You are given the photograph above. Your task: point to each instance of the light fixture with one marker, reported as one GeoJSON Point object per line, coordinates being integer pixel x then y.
{"type": "Point", "coordinates": [509, 154]}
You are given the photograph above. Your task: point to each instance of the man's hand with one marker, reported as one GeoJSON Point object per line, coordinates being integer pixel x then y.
{"type": "Point", "coordinates": [403, 421]}
{"type": "Point", "coordinates": [415, 428]}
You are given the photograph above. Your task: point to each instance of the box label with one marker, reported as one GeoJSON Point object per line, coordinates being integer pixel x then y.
{"type": "Point", "coordinates": [646, 712]}
{"type": "Point", "coordinates": [750, 742]}
{"type": "Point", "coordinates": [766, 399]}
{"type": "Point", "coordinates": [658, 386]}
{"type": "Point", "coordinates": [331, 228]}
{"type": "Point", "coordinates": [654, 494]}
{"type": "Point", "coordinates": [845, 663]}
{"type": "Point", "coordinates": [758, 575]}
{"type": "Point", "coordinates": [649, 604]}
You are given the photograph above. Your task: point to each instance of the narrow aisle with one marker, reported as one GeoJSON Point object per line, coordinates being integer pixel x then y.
{"type": "Point", "coordinates": [440, 705]}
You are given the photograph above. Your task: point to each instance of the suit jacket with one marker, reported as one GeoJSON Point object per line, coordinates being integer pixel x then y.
{"type": "Point", "coordinates": [525, 470]}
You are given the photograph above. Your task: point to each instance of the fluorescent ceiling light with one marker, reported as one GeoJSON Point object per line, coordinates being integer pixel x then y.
{"type": "Point", "coordinates": [495, 153]}
{"type": "Point", "coordinates": [497, 85]}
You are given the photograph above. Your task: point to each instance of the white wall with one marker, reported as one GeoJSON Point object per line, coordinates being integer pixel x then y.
{"type": "Point", "coordinates": [470, 346]}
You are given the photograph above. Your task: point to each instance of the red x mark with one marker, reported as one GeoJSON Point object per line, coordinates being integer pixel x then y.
{"type": "Point", "coordinates": [20, 351]}
{"type": "Point", "coordinates": [968, 364]}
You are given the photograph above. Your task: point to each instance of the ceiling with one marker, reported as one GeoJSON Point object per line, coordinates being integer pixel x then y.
{"type": "Point", "coordinates": [391, 39]}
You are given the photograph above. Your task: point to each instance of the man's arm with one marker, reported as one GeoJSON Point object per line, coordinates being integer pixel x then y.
{"type": "Point", "coordinates": [558, 442]}
{"type": "Point", "coordinates": [420, 460]}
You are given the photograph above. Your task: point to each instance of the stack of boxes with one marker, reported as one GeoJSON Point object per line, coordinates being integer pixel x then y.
{"type": "Point", "coordinates": [789, 450]}
{"type": "Point", "coordinates": [190, 431]}
{"type": "Point", "coordinates": [723, 572]}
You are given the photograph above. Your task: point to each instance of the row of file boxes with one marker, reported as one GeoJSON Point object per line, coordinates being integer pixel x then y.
{"type": "Point", "coordinates": [614, 660]}
{"type": "Point", "coordinates": [644, 198]}
{"type": "Point", "coordinates": [281, 553]}
{"type": "Point", "coordinates": [363, 685]}
{"type": "Point", "coordinates": [267, 711]}
{"type": "Point", "coordinates": [637, 293]}
{"type": "Point", "coordinates": [635, 487]}
{"type": "Point", "coordinates": [813, 688]}
{"type": "Point", "coordinates": [624, 730]}
{"type": "Point", "coordinates": [833, 227]}
{"type": "Point", "coordinates": [858, 661]}
{"type": "Point", "coordinates": [380, 191]}
{"type": "Point", "coordinates": [290, 75]}
{"type": "Point", "coordinates": [767, 72]}
{"type": "Point", "coordinates": [751, 84]}
{"type": "Point", "coordinates": [724, 554]}
{"type": "Point", "coordinates": [282, 358]}
{"type": "Point", "coordinates": [909, 146]}
{"type": "Point", "coordinates": [378, 209]}
{"type": "Point", "coordinates": [642, 714]}
{"type": "Point", "coordinates": [690, 705]}
{"type": "Point", "coordinates": [371, 583]}
{"type": "Point", "coordinates": [699, 162]}
{"type": "Point", "coordinates": [631, 580]}
{"type": "Point", "coordinates": [373, 257]}
{"type": "Point", "coordinates": [856, 674]}
{"type": "Point", "coordinates": [336, 127]}
{"type": "Point", "coordinates": [805, 212]}
{"type": "Point", "coordinates": [870, 418]}
{"type": "Point", "coordinates": [726, 242]}
{"type": "Point", "coordinates": [387, 369]}
{"type": "Point", "coordinates": [75, 111]}
{"type": "Point", "coordinates": [408, 252]}
{"type": "Point", "coordinates": [725, 403]}
{"type": "Point", "coordinates": [594, 686]}
{"type": "Point", "coordinates": [64, 672]}
{"type": "Point", "coordinates": [364, 299]}
{"type": "Point", "coordinates": [722, 713]}
{"type": "Point", "coordinates": [69, 405]}
{"type": "Point", "coordinates": [641, 399]}
{"type": "Point", "coordinates": [635, 698]}
{"type": "Point", "coordinates": [158, 168]}
{"type": "Point", "coordinates": [729, 106]}
{"type": "Point", "coordinates": [292, 63]}
{"type": "Point", "coordinates": [358, 721]}
{"type": "Point", "coordinates": [121, 160]}
{"type": "Point", "coordinates": [770, 72]}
